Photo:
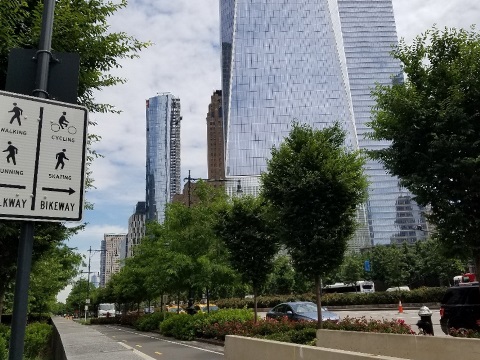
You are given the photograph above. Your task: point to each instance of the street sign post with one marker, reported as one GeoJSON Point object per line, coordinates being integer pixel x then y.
{"type": "Point", "coordinates": [42, 158]}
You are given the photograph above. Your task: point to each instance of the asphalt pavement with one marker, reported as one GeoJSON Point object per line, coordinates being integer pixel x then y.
{"type": "Point", "coordinates": [155, 346]}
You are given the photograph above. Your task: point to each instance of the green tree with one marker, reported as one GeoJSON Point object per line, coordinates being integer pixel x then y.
{"type": "Point", "coordinates": [314, 186]}
{"type": "Point", "coordinates": [80, 27]}
{"type": "Point", "coordinates": [389, 265]}
{"type": "Point", "coordinates": [281, 280]}
{"type": "Point", "coordinates": [182, 254]}
{"type": "Point", "coordinates": [351, 269]}
{"type": "Point", "coordinates": [50, 274]}
{"type": "Point", "coordinates": [246, 231]}
{"type": "Point", "coordinates": [48, 240]}
{"type": "Point", "coordinates": [432, 123]}
{"type": "Point", "coordinates": [434, 264]}
{"type": "Point", "coordinates": [78, 294]}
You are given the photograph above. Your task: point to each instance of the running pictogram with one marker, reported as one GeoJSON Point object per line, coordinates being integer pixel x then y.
{"type": "Point", "coordinates": [12, 151]}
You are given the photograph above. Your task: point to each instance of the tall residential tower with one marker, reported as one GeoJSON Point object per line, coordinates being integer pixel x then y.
{"type": "Point", "coordinates": [313, 62]}
{"type": "Point", "coordinates": [163, 154]}
{"type": "Point", "coordinates": [112, 253]}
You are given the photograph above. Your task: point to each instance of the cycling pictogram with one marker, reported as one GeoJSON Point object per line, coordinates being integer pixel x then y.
{"type": "Point", "coordinates": [56, 128]}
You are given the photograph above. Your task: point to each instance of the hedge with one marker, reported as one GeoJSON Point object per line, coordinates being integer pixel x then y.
{"type": "Point", "coordinates": [421, 295]}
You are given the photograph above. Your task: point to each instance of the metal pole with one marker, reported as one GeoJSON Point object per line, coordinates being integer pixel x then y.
{"type": "Point", "coordinates": [44, 47]}
{"type": "Point", "coordinates": [88, 282]}
{"type": "Point", "coordinates": [19, 319]}
{"type": "Point", "coordinates": [25, 248]}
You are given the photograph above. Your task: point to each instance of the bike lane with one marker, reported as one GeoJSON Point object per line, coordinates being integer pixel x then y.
{"type": "Point", "coordinates": [155, 346]}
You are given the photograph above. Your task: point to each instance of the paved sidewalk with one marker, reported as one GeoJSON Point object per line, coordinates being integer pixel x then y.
{"type": "Point", "coordinates": [85, 343]}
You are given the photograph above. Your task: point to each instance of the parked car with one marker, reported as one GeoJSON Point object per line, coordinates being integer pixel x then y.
{"type": "Point", "coordinates": [203, 307]}
{"type": "Point", "coordinates": [301, 310]}
{"type": "Point", "coordinates": [460, 308]}
{"type": "Point", "coordinates": [398, 288]}
{"type": "Point", "coordinates": [175, 309]}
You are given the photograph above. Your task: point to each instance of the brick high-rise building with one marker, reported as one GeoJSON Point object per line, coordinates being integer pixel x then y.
{"type": "Point", "coordinates": [215, 138]}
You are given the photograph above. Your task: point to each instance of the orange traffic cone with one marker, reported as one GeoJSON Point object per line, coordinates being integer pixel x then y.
{"type": "Point", "coordinates": [400, 307]}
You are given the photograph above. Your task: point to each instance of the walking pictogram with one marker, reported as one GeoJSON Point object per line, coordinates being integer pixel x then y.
{"type": "Point", "coordinates": [60, 157]}
{"type": "Point", "coordinates": [16, 114]}
{"type": "Point", "coordinates": [12, 151]}
{"type": "Point", "coordinates": [63, 120]}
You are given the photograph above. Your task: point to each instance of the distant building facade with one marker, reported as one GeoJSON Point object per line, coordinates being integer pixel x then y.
{"type": "Point", "coordinates": [136, 228]}
{"type": "Point", "coordinates": [163, 154]}
{"type": "Point", "coordinates": [313, 62]}
{"type": "Point", "coordinates": [215, 138]}
{"type": "Point", "coordinates": [113, 252]}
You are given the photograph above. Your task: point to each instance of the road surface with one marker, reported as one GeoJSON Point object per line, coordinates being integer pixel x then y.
{"type": "Point", "coordinates": [154, 346]}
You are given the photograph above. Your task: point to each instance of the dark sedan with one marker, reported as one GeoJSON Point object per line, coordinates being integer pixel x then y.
{"type": "Point", "coordinates": [300, 310]}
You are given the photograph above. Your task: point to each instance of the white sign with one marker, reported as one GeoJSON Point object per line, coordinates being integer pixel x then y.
{"type": "Point", "coordinates": [42, 158]}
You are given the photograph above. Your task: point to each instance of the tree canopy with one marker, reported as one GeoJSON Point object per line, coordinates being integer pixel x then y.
{"type": "Point", "coordinates": [432, 121]}
{"type": "Point", "coordinates": [314, 185]}
{"type": "Point", "coordinates": [79, 27]}
{"type": "Point", "coordinates": [245, 229]}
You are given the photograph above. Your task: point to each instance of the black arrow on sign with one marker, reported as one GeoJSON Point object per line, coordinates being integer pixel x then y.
{"type": "Point", "coordinates": [13, 186]}
{"type": "Point", "coordinates": [69, 190]}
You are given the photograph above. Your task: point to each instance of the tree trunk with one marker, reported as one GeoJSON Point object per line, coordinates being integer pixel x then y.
{"type": "Point", "coordinates": [255, 305]}
{"type": "Point", "coordinates": [318, 292]}
{"type": "Point", "coordinates": [2, 298]}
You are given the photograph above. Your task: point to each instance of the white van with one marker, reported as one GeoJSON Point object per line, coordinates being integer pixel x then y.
{"type": "Point", "coordinates": [106, 310]}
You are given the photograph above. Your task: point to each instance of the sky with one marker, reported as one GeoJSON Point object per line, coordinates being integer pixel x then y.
{"type": "Point", "coordinates": [184, 59]}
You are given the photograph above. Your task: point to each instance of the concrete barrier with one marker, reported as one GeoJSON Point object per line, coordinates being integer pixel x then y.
{"type": "Point", "coordinates": [244, 348]}
{"type": "Point", "coordinates": [415, 347]}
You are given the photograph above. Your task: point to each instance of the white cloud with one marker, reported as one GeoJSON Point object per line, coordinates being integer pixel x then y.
{"type": "Point", "coordinates": [185, 60]}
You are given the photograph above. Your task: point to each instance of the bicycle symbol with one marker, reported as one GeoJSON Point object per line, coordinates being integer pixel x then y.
{"type": "Point", "coordinates": [56, 128]}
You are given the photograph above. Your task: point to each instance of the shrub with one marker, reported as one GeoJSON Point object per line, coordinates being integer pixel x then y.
{"type": "Point", "coordinates": [262, 328]}
{"type": "Point", "coordinates": [211, 323]}
{"type": "Point", "coordinates": [38, 338]}
{"type": "Point", "coordinates": [300, 332]}
{"type": "Point", "coordinates": [3, 348]}
{"type": "Point", "coordinates": [305, 336]}
{"type": "Point", "coordinates": [465, 333]}
{"type": "Point", "coordinates": [5, 332]}
{"type": "Point", "coordinates": [420, 295]}
{"type": "Point", "coordinates": [179, 326]}
{"type": "Point", "coordinates": [370, 325]}
{"type": "Point", "coordinates": [149, 322]}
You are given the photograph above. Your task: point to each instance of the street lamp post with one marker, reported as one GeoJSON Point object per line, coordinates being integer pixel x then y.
{"type": "Point", "coordinates": [87, 300]}
{"type": "Point", "coordinates": [239, 190]}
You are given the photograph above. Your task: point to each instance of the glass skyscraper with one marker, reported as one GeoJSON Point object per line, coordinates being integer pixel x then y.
{"type": "Point", "coordinates": [163, 154]}
{"type": "Point", "coordinates": [314, 62]}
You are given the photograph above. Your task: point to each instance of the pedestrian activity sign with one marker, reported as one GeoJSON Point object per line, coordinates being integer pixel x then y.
{"type": "Point", "coordinates": [42, 158]}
